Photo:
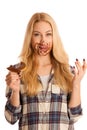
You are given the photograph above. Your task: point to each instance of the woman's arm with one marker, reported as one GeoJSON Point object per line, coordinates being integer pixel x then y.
{"type": "Point", "coordinates": [12, 107]}
{"type": "Point", "coordinates": [15, 99]}
{"type": "Point", "coordinates": [13, 81]}
{"type": "Point", "coordinates": [79, 72]}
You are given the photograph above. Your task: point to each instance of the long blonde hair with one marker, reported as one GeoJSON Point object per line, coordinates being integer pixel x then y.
{"type": "Point", "coordinates": [60, 62]}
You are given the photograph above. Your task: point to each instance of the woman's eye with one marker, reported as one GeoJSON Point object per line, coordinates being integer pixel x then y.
{"type": "Point", "coordinates": [49, 34]}
{"type": "Point", "coordinates": [36, 34]}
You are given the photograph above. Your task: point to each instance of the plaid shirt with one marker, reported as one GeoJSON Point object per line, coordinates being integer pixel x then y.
{"type": "Point", "coordinates": [46, 111]}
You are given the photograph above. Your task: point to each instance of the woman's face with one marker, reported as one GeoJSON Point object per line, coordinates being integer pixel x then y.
{"type": "Point", "coordinates": [42, 38]}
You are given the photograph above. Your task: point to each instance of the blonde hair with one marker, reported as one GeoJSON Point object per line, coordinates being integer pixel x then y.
{"type": "Point", "coordinates": [62, 74]}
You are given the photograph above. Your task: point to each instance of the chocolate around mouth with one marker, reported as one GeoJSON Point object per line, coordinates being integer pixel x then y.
{"type": "Point", "coordinates": [40, 48]}
{"type": "Point", "coordinates": [17, 67]}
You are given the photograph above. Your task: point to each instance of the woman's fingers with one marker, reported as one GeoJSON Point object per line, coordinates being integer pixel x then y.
{"type": "Point", "coordinates": [12, 78]}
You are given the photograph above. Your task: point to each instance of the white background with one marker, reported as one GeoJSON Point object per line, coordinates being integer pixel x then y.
{"type": "Point", "coordinates": [71, 18]}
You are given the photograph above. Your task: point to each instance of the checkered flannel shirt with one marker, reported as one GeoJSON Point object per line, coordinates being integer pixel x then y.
{"type": "Point", "coordinates": [38, 113]}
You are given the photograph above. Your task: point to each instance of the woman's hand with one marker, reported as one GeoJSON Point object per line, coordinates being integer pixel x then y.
{"type": "Point", "coordinates": [13, 81]}
{"type": "Point", "coordinates": [79, 72]}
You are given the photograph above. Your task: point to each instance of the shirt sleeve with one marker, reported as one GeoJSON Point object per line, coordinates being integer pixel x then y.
{"type": "Point", "coordinates": [12, 113]}
{"type": "Point", "coordinates": [75, 112]}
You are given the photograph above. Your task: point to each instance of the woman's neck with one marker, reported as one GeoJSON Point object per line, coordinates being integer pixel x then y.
{"type": "Point", "coordinates": [44, 66]}
{"type": "Point", "coordinates": [44, 60]}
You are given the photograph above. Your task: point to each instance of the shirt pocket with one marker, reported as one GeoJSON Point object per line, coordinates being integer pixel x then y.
{"type": "Point", "coordinates": [59, 105]}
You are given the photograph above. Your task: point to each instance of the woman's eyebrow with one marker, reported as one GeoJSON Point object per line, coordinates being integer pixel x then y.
{"type": "Point", "coordinates": [40, 32]}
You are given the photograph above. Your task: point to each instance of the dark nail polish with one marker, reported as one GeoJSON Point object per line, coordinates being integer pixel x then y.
{"type": "Point", "coordinates": [83, 59]}
{"type": "Point", "coordinates": [76, 59]}
{"type": "Point", "coordinates": [73, 67]}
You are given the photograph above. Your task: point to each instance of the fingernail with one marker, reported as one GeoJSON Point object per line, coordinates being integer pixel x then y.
{"type": "Point", "coordinates": [76, 59]}
{"type": "Point", "coordinates": [83, 59]}
{"type": "Point", "coordinates": [73, 67]}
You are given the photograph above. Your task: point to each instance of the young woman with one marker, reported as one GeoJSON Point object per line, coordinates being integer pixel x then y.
{"type": "Point", "coordinates": [46, 94]}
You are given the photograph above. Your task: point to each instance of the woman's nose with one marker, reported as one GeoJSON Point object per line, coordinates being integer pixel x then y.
{"type": "Point", "coordinates": [42, 39]}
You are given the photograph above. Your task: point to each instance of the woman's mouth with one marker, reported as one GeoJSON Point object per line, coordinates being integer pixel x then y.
{"type": "Point", "coordinates": [43, 48]}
